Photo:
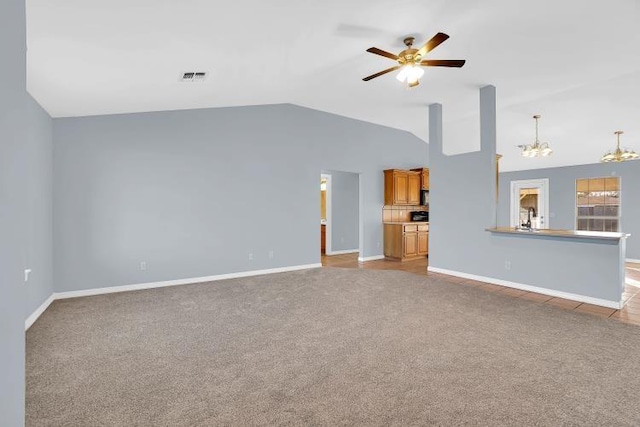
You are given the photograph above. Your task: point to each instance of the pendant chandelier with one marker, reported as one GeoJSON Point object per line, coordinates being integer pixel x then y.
{"type": "Point", "coordinates": [619, 155]}
{"type": "Point", "coordinates": [537, 149]}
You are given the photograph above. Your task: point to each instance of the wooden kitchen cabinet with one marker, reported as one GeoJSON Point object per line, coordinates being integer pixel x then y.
{"type": "Point", "coordinates": [405, 241]}
{"type": "Point", "coordinates": [410, 247]}
{"type": "Point", "coordinates": [423, 243]}
{"type": "Point", "coordinates": [413, 192]}
{"type": "Point", "coordinates": [401, 187]}
{"type": "Point", "coordinates": [424, 177]}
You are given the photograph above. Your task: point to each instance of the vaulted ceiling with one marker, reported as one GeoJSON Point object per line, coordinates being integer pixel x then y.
{"type": "Point", "coordinates": [575, 62]}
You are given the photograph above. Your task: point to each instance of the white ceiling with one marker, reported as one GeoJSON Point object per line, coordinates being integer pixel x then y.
{"type": "Point", "coordinates": [575, 62]}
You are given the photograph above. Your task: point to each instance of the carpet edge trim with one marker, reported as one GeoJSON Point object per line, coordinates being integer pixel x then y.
{"type": "Point", "coordinates": [529, 288]}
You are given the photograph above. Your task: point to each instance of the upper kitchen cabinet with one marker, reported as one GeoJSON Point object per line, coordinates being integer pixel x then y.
{"type": "Point", "coordinates": [424, 177]}
{"type": "Point", "coordinates": [413, 194]}
{"type": "Point", "coordinates": [396, 186]}
{"type": "Point", "coordinates": [401, 187]}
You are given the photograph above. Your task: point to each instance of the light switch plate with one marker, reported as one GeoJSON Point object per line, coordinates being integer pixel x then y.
{"type": "Point", "coordinates": [26, 274]}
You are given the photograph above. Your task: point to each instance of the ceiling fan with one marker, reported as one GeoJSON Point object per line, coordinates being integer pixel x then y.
{"type": "Point", "coordinates": [410, 60]}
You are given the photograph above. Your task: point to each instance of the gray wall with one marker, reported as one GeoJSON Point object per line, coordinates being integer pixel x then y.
{"type": "Point", "coordinates": [463, 204]}
{"type": "Point", "coordinates": [344, 210]}
{"type": "Point", "coordinates": [192, 193]}
{"type": "Point", "coordinates": [25, 208]}
{"type": "Point", "coordinates": [39, 209]}
{"type": "Point", "coordinates": [12, 201]}
{"type": "Point", "coordinates": [562, 199]}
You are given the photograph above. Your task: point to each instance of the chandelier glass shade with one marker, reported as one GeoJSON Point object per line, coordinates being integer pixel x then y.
{"type": "Point", "coordinates": [537, 149]}
{"type": "Point", "coordinates": [619, 155]}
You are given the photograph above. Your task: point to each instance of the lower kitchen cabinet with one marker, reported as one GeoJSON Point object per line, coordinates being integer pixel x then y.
{"type": "Point", "coordinates": [423, 243]}
{"type": "Point", "coordinates": [410, 242]}
{"type": "Point", "coordinates": [404, 241]}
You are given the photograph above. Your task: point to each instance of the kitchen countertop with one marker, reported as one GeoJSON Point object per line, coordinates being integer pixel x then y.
{"type": "Point", "coordinates": [576, 234]}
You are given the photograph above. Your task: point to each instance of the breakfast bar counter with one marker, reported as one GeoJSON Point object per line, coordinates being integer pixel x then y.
{"type": "Point", "coordinates": [576, 234]}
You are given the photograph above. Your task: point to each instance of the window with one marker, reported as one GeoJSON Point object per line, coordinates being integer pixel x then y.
{"type": "Point", "coordinates": [598, 204]}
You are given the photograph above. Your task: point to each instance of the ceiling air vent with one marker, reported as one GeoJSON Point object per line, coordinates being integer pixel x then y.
{"type": "Point", "coordinates": [193, 76]}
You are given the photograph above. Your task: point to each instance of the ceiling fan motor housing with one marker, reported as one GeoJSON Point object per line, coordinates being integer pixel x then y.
{"type": "Point", "coordinates": [409, 55]}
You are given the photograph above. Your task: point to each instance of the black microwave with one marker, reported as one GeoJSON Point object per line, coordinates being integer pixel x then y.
{"type": "Point", "coordinates": [422, 216]}
{"type": "Point", "coordinates": [424, 197]}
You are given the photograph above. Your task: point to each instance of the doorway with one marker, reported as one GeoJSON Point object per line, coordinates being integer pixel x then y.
{"type": "Point", "coordinates": [339, 213]}
{"type": "Point", "coordinates": [325, 212]}
{"type": "Point", "coordinates": [530, 203]}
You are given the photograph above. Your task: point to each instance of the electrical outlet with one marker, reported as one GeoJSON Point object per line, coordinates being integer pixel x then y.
{"type": "Point", "coordinates": [26, 274]}
{"type": "Point", "coordinates": [270, 254]}
{"type": "Point", "coordinates": [143, 265]}
{"type": "Point", "coordinates": [250, 256]}
{"type": "Point", "coordinates": [507, 265]}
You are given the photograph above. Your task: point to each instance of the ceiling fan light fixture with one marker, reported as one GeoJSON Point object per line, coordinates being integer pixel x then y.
{"type": "Point", "coordinates": [402, 75]}
{"type": "Point", "coordinates": [618, 155]}
{"type": "Point", "coordinates": [410, 73]}
{"type": "Point", "coordinates": [410, 60]}
{"type": "Point", "coordinates": [414, 75]}
{"type": "Point", "coordinates": [537, 149]}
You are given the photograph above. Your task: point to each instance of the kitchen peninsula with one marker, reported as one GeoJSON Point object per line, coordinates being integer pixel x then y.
{"type": "Point", "coordinates": [562, 255]}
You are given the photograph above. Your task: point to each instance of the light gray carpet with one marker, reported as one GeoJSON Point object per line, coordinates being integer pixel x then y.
{"type": "Point", "coordinates": [328, 347]}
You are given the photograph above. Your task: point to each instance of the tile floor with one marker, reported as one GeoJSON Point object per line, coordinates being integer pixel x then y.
{"type": "Point", "coordinates": [629, 314]}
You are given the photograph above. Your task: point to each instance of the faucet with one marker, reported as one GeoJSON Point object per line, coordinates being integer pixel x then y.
{"type": "Point", "coordinates": [528, 223]}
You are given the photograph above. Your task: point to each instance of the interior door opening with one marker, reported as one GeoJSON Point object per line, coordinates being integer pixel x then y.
{"type": "Point", "coordinates": [325, 189]}
{"type": "Point", "coordinates": [339, 213]}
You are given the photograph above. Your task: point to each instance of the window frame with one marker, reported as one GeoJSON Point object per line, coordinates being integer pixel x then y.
{"type": "Point", "coordinates": [578, 217]}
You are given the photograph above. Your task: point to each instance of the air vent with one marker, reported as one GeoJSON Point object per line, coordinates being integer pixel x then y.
{"type": "Point", "coordinates": [193, 76]}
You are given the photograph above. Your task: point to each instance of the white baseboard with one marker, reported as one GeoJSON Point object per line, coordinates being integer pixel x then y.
{"type": "Point", "coordinates": [636, 261]}
{"type": "Point", "coordinates": [346, 251]}
{"type": "Point", "coordinates": [38, 311]}
{"type": "Point", "coordinates": [529, 288]}
{"type": "Point", "coordinates": [370, 258]}
{"type": "Point", "coordinates": [140, 286]}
